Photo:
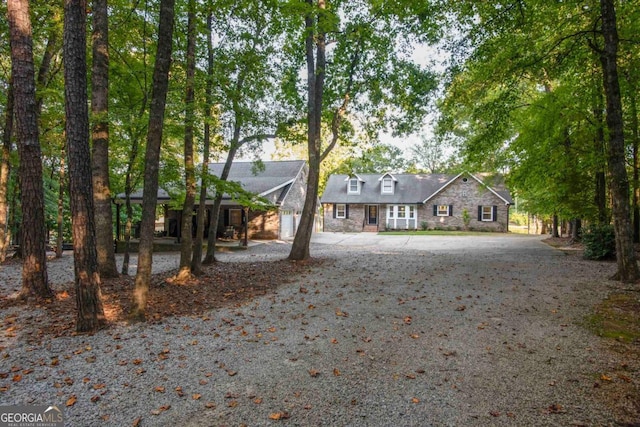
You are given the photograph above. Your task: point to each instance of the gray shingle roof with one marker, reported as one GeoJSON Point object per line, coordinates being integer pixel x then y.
{"type": "Point", "coordinates": [276, 177]}
{"type": "Point", "coordinates": [136, 197]}
{"type": "Point", "coordinates": [276, 174]}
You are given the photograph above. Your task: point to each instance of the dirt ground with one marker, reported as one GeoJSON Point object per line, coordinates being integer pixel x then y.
{"type": "Point", "coordinates": [617, 320]}
{"type": "Point", "coordinates": [234, 284]}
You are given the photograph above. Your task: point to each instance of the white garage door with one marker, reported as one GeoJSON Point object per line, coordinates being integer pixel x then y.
{"type": "Point", "coordinates": [286, 224]}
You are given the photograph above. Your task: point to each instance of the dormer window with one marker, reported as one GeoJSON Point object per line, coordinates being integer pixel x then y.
{"type": "Point", "coordinates": [387, 185]}
{"type": "Point", "coordinates": [353, 186]}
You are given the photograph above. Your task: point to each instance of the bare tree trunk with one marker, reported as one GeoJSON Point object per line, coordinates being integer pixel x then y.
{"type": "Point", "coordinates": [129, 210]}
{"type": "Point", "coordinates": [126, 258]}
{"type": "Point", "coordinates": [60, 219]}
{"type": "Point", "coordinates": [600, 178]}
{"type": "Point", "coordinates": [5, 170]}
{"type": "Point", "coordinates": [234, 145]}
{"type": "Point", "coordinates": [315, 88]}
{"type": "Point", "coordinates": [625, 253]}
{"type": "Point", "coordinates": [214, 218]}
{"type": "Point", "coordinates": [186, 247]}
{"type": "Point", "coordinates": [635, 144]}
{"type": "Point", "coordinates": [100, 137]}
{"type": "Point", "coordinates": [196, 261]}
{"type": "Point", "coordinates": [576, 228]}
{"type": "Point", "coordinates": [152, 159]}
{"type": "Point", "coordinates": [210, 257]}
{"type": "Point", "coordinates": [555, 226]}
{"type": "Point", "coordinates": [34, 268]}
{"type": "Point", "coordinates": [90, 316]}
{"type": "Point", "coordinates": [44, 77]}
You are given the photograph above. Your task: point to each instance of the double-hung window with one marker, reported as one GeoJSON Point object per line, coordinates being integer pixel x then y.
{"type": "Point", "coordinates": [442, 210]}
{"type": "Point", "coordinates": [387, 185]}
{"type": "Point", "coordinates": [341, 210]}
{"type": "Point", "coordinates": [486, 213]}
{"type": "Point", "coordinates": [354, 186]}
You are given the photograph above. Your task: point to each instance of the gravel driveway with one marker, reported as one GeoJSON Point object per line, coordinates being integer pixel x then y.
{"type": "Point", "coordinates": [388, 331]}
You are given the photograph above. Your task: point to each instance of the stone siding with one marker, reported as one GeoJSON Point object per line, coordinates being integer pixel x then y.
{"type": "Point", "coordinates": [463, 195]}
{"type": "Point", "coordinates": [353, 223]}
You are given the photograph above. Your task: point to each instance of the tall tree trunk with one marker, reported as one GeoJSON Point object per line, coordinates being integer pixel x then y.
{"type": "Point", "coordinates": [152, 159]}
{"type": "Point", "coordinates": [44, 75]}
{"type": "Point", "coordinates": [100, 137]}
{"type": "Point", "coordinates": [234, 146]}
{"type": "Point", "coordinates": [128, 189]}
{"type": "Point", "coordinates": [90, 316]}
{"type": "Point", "coordinates": [635, 144]}
{"type": "Point", "coordinates": [5, 170]}
{"type": "Point", "coordinates": [600, 177]}
{"type": "Point", "coordinates": [576, 228]}
{"type": "Point", "coordinates": [34, 268]}
{"type": "Point", "coordinates": [214, 218]}
{"type": "Point", "coordinates": [555, 226]}
{"type": "Point", "coordinates": [196, 261]}
{"type": "Point", "coordinates": [625, 254]}
{"type": "Point", "coordinates": [315, 88]}
{"type": "Point", "coordinates": [186, 247]}
{"type": "Point", "coordinates": [60, 219]}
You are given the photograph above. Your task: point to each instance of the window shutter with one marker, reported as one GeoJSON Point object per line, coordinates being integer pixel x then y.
{"type": "Point", "coordinates": [450, 210]}
{"type": "Point", "coordinates": [495, 213]}
{"type": "Point", "coordinates": [479, 213]}
{"type": "Point", "coordinates": [334, 210]}
{"type": "Point", "coordinates": [435, 210]}
{"type": "Point", "coordinates": [346, 211]}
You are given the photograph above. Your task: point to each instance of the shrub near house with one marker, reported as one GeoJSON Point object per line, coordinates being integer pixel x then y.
{"type": "Point", "coordinates": [377, 202]}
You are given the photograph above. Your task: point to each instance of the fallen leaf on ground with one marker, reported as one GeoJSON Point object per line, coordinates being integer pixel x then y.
{"type": "Point", "coordinates": [72, 400]}
{"type": "Point", "coordinates": [555, 409]}
{"type": "Point", "coordinates": [279, 416]}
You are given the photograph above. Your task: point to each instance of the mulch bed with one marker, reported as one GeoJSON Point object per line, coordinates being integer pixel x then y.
{"type": "Point", "coordinates": [221, 285]}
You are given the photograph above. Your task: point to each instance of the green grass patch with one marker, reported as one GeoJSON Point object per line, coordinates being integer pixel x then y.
{"type": "Point", "coordinates": [437, 233]}
{"type": "Point", "coordinates": [617, 317]}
